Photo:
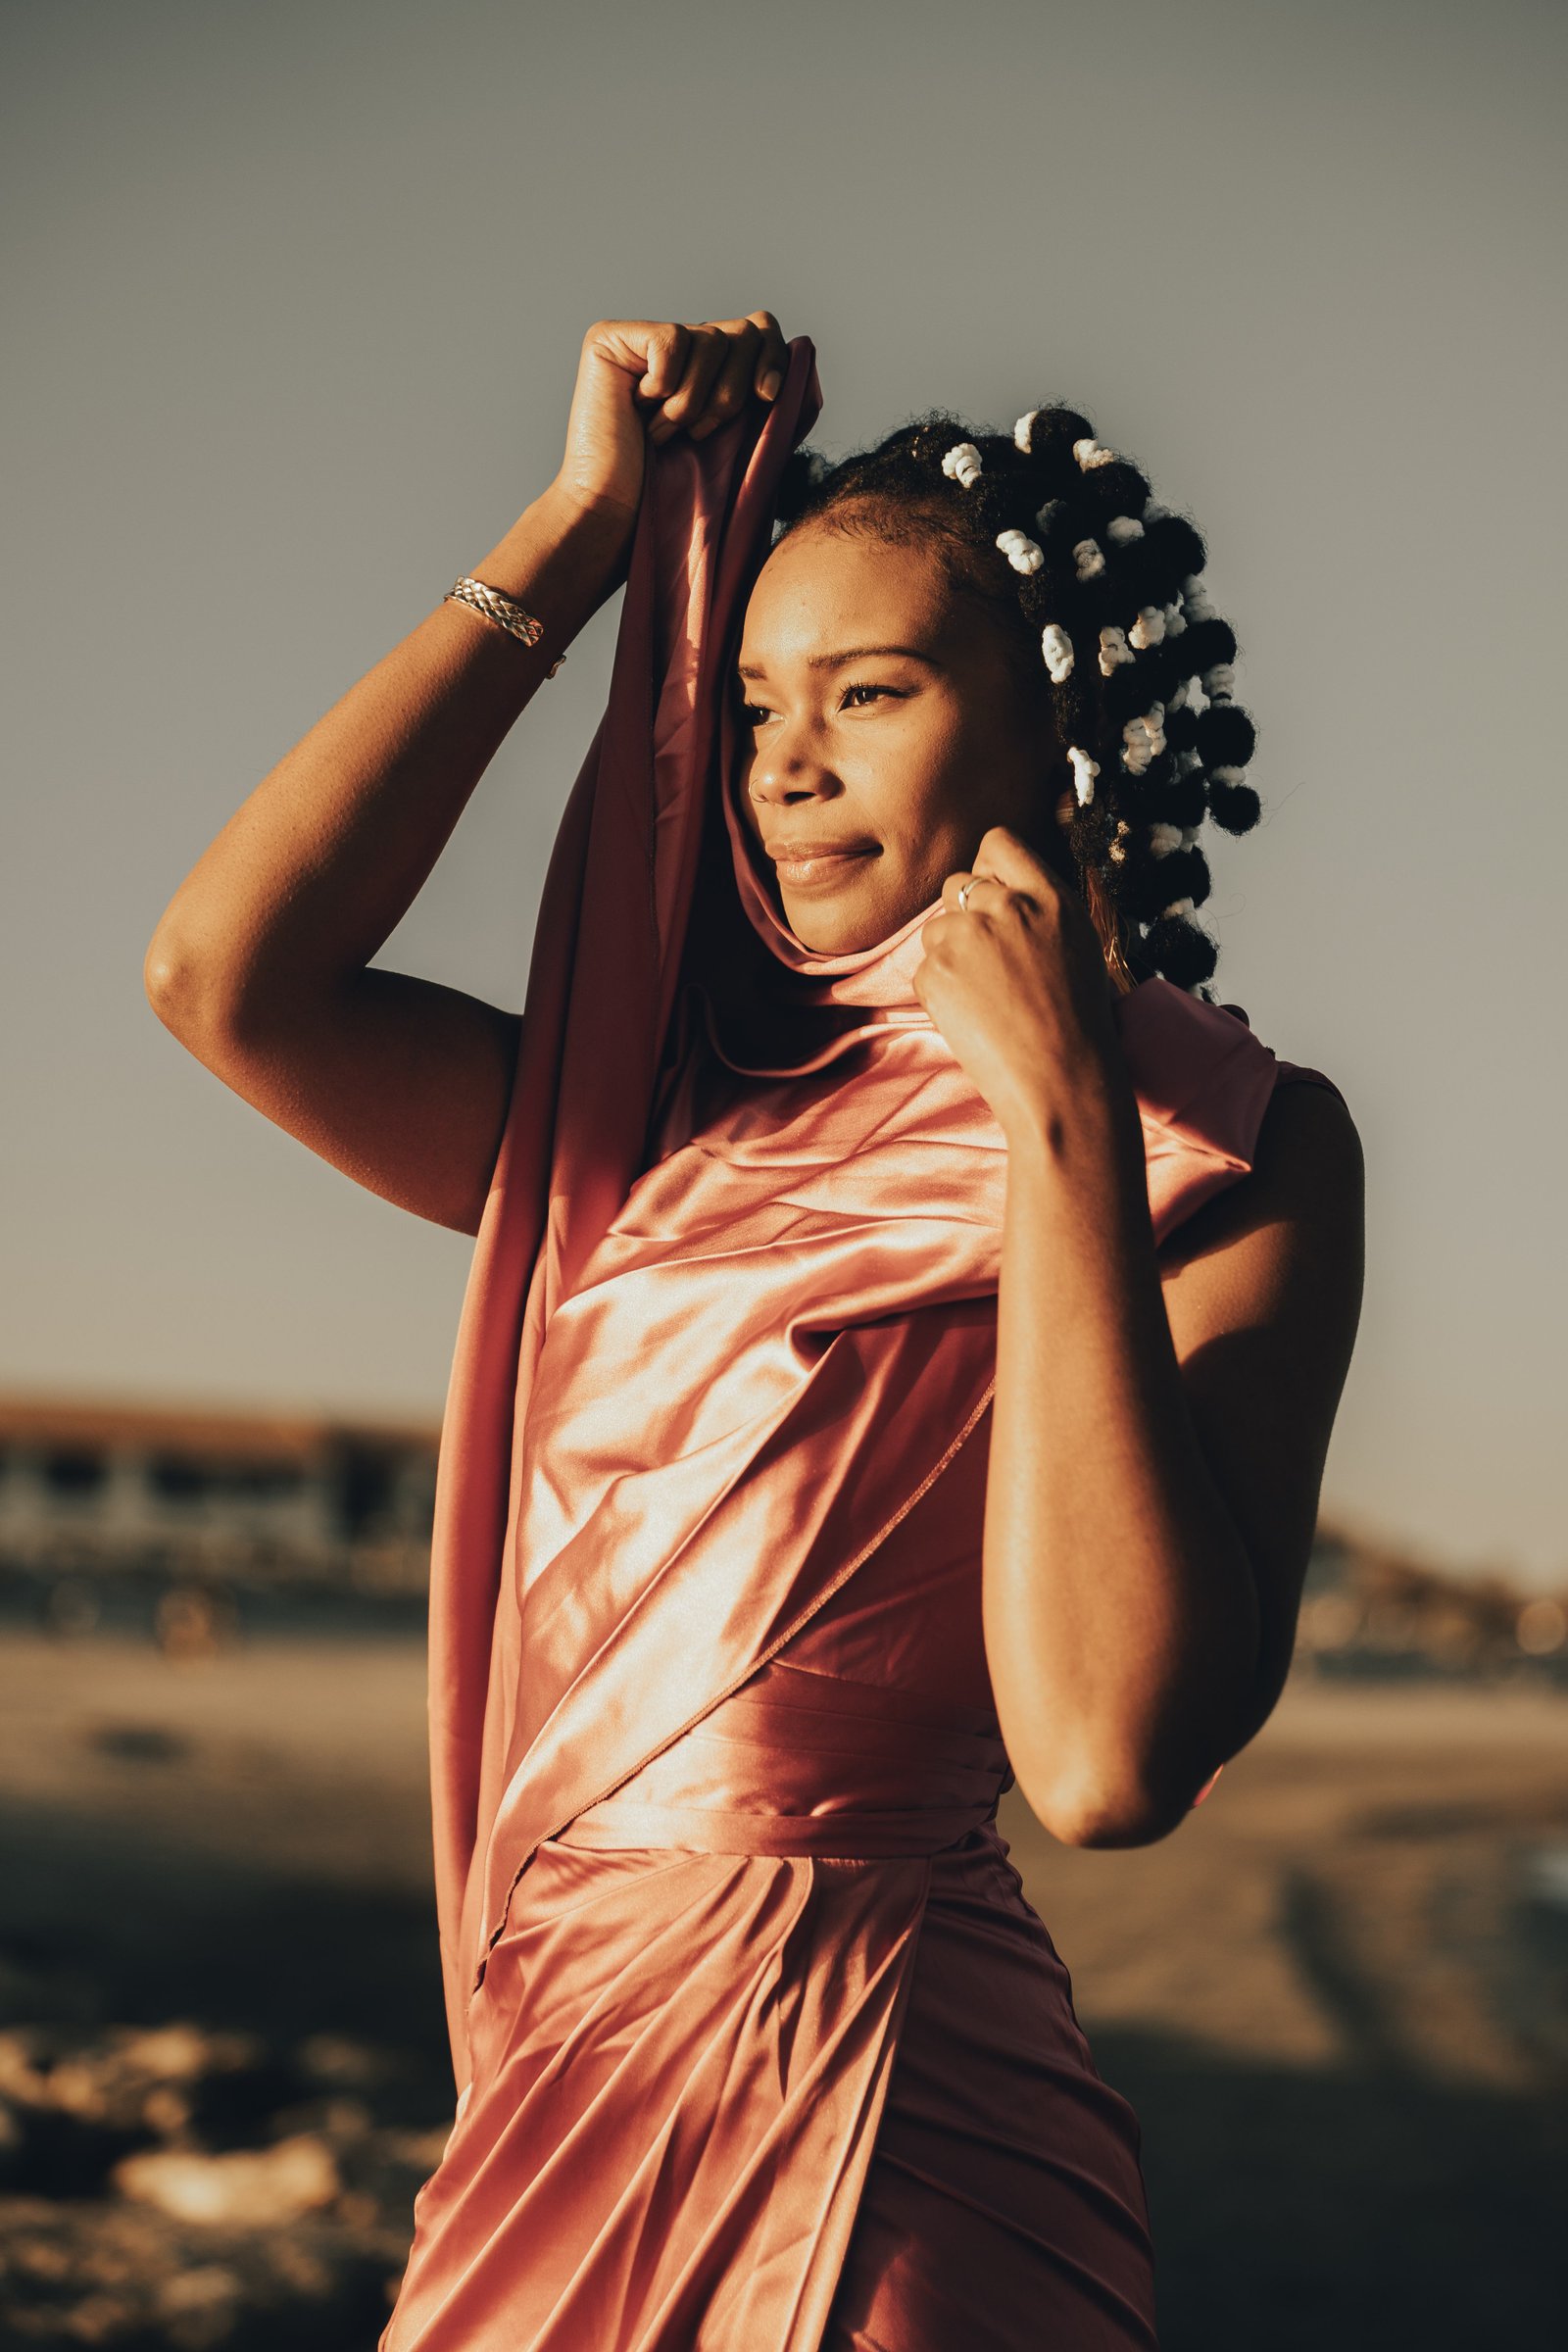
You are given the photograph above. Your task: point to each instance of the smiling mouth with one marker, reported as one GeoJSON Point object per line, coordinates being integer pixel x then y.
{"type": "Point", "coordinates": [813, 864]}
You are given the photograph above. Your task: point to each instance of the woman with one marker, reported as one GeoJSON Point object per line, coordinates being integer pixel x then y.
{"type": "Point", "coordinates": [905, 1331]}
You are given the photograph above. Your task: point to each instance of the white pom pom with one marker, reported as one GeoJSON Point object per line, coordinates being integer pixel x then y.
{"type": "Point", "coordinates": [1057, 646]}
{"type": "Point", "coordinates": [1195, 599]}
{"type": "Point", "coordinates": [1084, 773]}
{"type": "Point", "coordinates": [962, 463]}
{"type": "Point", "coordinates": [1175, 621]}
{"type": "Point", "coordinates": [1154, 512]}
{"type": "Point", "coordinates": [1122, 530]}
{"type": "Point", "coordinates": [1162, 839]}
{"type": "Point", "coordinates": [1020, 551]}
{"type": "Point", "coordinates": [1147, 630]}
{"type": "Point", "coordinates": [1179, 907]}
{"type": "Point", "coordinates": [1113, 651]}
{"type": "Point", "coordinates": [1089, 560]}
{"type": "Point", "coordinates": [1119, 847]}
{"type": "Point", "coordinates": [1229, 776]}
{"type": "Point", "coordinates": [1219, 683]}
{"type": "Point", "coordinates": [1178, 697]}
{"type": "Point", "coordinates": [1091, 453]}
{"type": "Point", "coordinates": [1023, 430]}
{"type": "Point", "coordinates": [1142, 739]}
{"type": "Point", "coordinates": [1186, 761]}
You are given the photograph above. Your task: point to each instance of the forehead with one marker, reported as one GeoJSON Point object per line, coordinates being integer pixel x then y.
{"type": "Point", "coordinates": [820, 589]}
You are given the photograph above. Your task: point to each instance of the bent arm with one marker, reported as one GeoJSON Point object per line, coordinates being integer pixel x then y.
{"type": "Point", "coordinates": [1159, 1432]}
{"type": "Point", "coordinates": [260, 964]}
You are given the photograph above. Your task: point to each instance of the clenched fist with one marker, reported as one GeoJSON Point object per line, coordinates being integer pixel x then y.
{"type": "Point", "coordinates": [642, 380]}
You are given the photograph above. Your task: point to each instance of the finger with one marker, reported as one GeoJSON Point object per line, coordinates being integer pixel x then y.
{"type": "Point", "coordinates": [690, 397]}
{"type": "Point", "coordinates": [773, 357]}
{"type": "Point", "coordinates": [732, 387]}
{"type": "Point", "coordinates": [665, 353]}
{"type": "Point", "coordinates": [981, 894]}
{"type": "Point", "coordinates": [1008, 857]}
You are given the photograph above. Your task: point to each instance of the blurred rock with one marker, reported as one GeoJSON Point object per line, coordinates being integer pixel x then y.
{"type": "Point", "coordinates": [133, 2280]}
{"type": "Point", "coordinates": [253, 2189]}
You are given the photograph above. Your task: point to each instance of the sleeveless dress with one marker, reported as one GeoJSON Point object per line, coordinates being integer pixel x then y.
{"type": "Point", "coordinates": [758, 2045]}
{"type": "Point", "coordinates": [771, 2054]}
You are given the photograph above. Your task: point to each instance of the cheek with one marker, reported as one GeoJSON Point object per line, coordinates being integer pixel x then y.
{"type": "Point", "coordinates": [919, 777]}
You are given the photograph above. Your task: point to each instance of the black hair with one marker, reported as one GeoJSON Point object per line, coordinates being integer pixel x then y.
{"type": "Point", "coordinates": [1117, 576]}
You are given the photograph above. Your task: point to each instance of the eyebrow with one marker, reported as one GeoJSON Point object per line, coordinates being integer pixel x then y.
{"type": "Point", "coordinates": [855, 653]}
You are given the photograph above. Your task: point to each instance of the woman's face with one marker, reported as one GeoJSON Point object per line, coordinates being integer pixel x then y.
{"type": "Point", "coordinates": [884, 730]}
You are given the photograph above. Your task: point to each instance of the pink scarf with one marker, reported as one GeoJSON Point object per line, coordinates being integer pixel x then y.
{"type": "Point", "coordinates": [697, 1381]}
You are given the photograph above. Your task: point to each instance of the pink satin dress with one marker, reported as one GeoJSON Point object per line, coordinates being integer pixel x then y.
{"type": "Point", "coordinates": [759, 2047]}
{"type": "Point", "coordinates": [773, 2051]}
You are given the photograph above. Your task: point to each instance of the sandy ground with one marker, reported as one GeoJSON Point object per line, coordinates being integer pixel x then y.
{"type": "Point", "coordinates": [1337, 1999]}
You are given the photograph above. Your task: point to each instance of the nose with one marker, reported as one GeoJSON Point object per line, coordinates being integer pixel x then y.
{"type": "Point", "coordinates": [786, 765]}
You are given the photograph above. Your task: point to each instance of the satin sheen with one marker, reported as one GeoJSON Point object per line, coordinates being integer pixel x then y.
{"type": "Point", "coordinates": [759, 2047]}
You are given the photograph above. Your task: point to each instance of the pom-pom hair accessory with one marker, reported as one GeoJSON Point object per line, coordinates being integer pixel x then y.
{"type": "Point", "coordinates": [1020, 551]}
{"type": "Point", "coordinates": [1084, 773]}
{"type": "Point", "coordinates": [1057, 646]}
{"type": "Point", "coordinates": [1156, 741]}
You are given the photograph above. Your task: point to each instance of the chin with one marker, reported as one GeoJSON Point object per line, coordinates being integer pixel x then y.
{"type": "Point", "coordinates": [827, 929]}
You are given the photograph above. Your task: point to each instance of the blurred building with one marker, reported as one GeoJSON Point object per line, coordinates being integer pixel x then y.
{"type": "Point", "coordinates": [103, 1504]}
{"type": "Point", "coordinates": [1368, 1609]}
{"type": "Point", "coordinates": [97, 1496]}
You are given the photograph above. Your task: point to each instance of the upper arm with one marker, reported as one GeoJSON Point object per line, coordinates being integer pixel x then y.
{"type": "Point", "coordinates": [1263, 1290]}
{"type": "Point", "coordinates": [400, 1082]}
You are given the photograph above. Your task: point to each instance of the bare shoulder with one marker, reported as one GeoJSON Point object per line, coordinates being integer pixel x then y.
{"type": "Point", "coordinates": [1303, 1200]}
{"type": "Point", "coordinates": [1309, 1136]}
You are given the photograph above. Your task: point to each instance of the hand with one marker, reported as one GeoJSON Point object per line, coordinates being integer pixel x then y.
{"type": "Point", "coordinates": [641, 381]}
{"type": "Point", "coordinates": [1016, 982]}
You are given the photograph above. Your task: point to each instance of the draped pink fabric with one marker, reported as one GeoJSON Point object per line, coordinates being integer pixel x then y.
{"type": "Point", "coordinates": [759, 2042]}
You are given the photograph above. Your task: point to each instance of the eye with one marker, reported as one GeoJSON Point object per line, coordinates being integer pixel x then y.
{"type": "Point", "coordinates": [751, 714]}
{"type": "Point", "coordinates": [868, 690]}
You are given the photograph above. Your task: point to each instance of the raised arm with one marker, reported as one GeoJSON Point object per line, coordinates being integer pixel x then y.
{"type": "Point", "coordinates": [261, 962]}
{"type": "Point", "coordinates": [1161, 1419]}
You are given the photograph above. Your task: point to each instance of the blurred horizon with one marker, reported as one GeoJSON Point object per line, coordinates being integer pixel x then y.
{"type": "Point", "coordinates": [296, 302]}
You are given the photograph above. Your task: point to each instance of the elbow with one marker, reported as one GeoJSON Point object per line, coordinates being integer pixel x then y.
{"type": "Point", "coordinates": [1112, 1799]}
{"type": "Point", "coordinates": [197, 999]}
{"type": "Point", "coordinates": [178, 990]}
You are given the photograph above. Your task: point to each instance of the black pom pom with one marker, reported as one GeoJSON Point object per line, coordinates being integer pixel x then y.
{"type": "Point", "coordinates": [1226, 736]}
{"type": "Point", "coordinates": [1153, 882]}
{"type": "Point", "coordinates": [1128, 692]}
{"type": "Point", "coordinates": [1160, 673]}
{"type": "Point", "coordinates": [1235, 807]}
{"type": "Point", "coordinates": [1182, 802]}
{"type": "Point", "coordinates": [1137, 571]}
{"type": "Point", "coordinates": [1178, 948]}
{"type": "Point", "coordinates": [1202, 643]}
{"type": "Point", "coordinates": [1177, 547]}
{"type": "Point", "coordinates": [1181, 730]}
{"type": "Point", "coordinates": [1199, 881]}
{"type": "Point", "coordinates": [1052, 435]}
{"type": "Point", "coordinates": [1119, 488]}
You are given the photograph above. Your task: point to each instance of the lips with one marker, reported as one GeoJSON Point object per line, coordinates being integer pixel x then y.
{"type": "Point", "coordinates": [801, 863]}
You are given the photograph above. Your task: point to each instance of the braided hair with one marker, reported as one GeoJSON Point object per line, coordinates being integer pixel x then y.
{"type": "Point", "coordinates": [1098, 586]}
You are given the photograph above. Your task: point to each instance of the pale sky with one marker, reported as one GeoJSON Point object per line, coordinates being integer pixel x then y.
{"type": "Point", "coordinates": [294, 300]}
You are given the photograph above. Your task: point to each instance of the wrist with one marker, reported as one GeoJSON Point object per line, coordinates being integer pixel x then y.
{"type": "Point", "coordinates": [579, 518]}
{"type": "Point", "coordinates": [561, 560]}
{"type": "Point", "coordinates": [1077, 1130]}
